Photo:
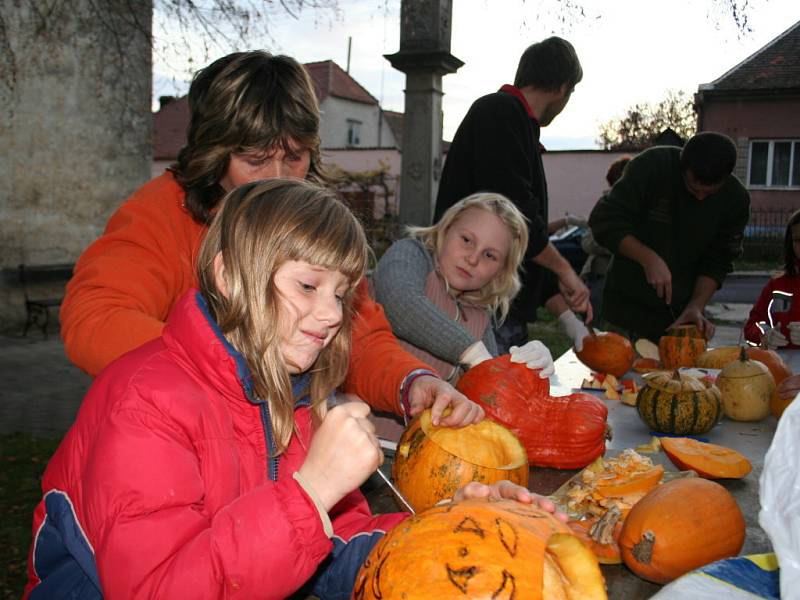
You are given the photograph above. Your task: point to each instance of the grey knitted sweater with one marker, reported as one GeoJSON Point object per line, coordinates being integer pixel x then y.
{"type": "Point", "coordinates": [399, 282]}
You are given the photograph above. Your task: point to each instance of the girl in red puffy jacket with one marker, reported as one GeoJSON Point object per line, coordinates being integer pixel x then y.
{"type": "Point", "coordinates": [774, 320]}
{"type": "Point", "coordinates": [206, 463]}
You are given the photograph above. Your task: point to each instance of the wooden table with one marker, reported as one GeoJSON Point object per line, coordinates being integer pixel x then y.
{"type": "Point", "coordinates": [751, 439]}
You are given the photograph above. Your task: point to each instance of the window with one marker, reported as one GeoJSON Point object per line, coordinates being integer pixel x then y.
{"type": "Point", "coordinates": [774, 163]}
{"type": "Point", "coordinates": [353, 132]}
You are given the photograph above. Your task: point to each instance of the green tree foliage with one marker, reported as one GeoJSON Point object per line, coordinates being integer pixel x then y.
{"type": "Point", "coordinates": [642, 123]}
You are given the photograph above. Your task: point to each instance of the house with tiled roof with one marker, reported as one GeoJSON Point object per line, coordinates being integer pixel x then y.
{"type": "Point", "coordinates": [356, 134]}
{"type": "Point", "coordinates": [351, 116]}
{"type": "Point", "coordinates": [757, 103]}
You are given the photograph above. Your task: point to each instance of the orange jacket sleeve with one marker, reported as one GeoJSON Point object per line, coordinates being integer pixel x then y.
{"type": "Point", "coordinates": [378, 364]}
{"type": "Point", "coordinates": [127, 280]}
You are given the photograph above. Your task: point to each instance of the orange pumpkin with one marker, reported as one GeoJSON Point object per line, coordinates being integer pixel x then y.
{"type": "Point", "coordinates": [612, 485]}
{"type": "Point", "coordinates": [607, 352]}
{"type": "Point", "coordinates": [784, 394]}
{"type": "Point", "coordinates": [679, 526]}
{"type": "Point", "coordinates": [431, 462]}
{"type": "Point", "coordinates": [601, 535]}
{"type": "Point", "coordinates": [717, 358]}
{"type": "Point", "coordinates": [480, 549]}
{"type": "Point", "coordinates": [565, 432]}
{"type": "Point", "coordinates": [707, 460]}
{"type": "Point", "coordinates": [680, 346]}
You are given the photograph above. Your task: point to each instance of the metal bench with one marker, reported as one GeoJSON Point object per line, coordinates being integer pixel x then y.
{"type": "Point", "coordinates": [37, 308]}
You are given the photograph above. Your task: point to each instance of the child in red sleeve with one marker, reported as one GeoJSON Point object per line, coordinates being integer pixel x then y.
{"type": "Point", "coordinates": [774, 322]}
{"type": "Point", "coordinates": [207, 463]}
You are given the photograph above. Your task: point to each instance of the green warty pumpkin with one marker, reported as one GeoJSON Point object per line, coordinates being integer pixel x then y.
{"type": "Point", "coordinates": [678, 404]}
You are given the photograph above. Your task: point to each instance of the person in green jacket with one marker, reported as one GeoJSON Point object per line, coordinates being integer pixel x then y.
{"type": "Point", "coordinates": [674, 222]}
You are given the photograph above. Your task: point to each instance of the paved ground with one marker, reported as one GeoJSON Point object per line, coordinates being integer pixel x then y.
{"type": "Point", "coordinates": [41, 390]}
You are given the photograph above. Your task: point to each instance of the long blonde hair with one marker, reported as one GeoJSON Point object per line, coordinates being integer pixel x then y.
{"type": "Point", "coordinates": [261, 226]}
{"type": "Point", "coordinates": [498, 293]}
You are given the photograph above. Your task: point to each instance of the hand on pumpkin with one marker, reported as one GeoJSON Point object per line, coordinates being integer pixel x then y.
{"type": "Point", "coordinates": [535, 355]}
{"type": "Point", "coordinates": [659, 276]}
{"type": "Point", "coordinates": [431, 392]}
{"type": "Point", "coordinates": [695, 316]}
{"type": "Point", "coordinates": [507, 490]}
{"type": "Point", "coordinates": [574, 328]}
{"type": "Point", "coordinates": [343, 453]}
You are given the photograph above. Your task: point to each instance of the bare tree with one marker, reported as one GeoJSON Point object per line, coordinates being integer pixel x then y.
{"type": "Point", "coordinates": [642, 123]}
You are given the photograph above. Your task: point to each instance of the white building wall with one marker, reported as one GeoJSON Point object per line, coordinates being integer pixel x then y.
{"type": "Point", "coordinates": [334, 124]}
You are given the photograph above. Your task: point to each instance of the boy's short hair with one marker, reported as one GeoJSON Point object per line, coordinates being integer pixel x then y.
{"type": "Point", "coordinates": [711, 156]}
{"type": "Point", "coordinates": [548, 65]}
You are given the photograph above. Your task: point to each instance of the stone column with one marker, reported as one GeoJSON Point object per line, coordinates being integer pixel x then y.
{"type": "Point", "coordinates": [425, 58]}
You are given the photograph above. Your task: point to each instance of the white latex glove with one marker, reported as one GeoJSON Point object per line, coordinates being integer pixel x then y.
{"type": "Point", "coordinates": [576, 220]}
{"type": "Point", "coordinates": [535, 355]}
{"type": "Point", "coordinates": [574, 328]}
{"type": "Point", "coordinates": [475, 354]}
{"type": "Point", "coordinates": [773, 338]}
{"type": "Point", "coordinates": [794, 332]}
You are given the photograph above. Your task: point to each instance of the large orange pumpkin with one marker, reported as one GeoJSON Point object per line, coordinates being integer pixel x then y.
{"type": "Point", "coordinates": [565, 432]}
{"type": "Point", "coordinates": [480, 549]}
{"type": "Point", "coordinates": [680, 346]}
{"type": "Point", "coordinates": [786, 393]}
{"type": "Point", "coordinates": [679, 526]}
{"type": "Point", "coordinates": [707, 460]}
{"type": "Point", "coordinates": [607, 352]}
{"type": "Point", "coordinates": [431, 462]}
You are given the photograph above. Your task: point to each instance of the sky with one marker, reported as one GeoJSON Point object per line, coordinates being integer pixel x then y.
{"type": "Point", "coordinates": [631, 51]}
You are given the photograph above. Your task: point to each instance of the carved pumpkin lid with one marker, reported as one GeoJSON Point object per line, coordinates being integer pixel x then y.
{"type": "Point", "coordinates": [486, 444]}
{"type": "Point", "coordinates": [673, 382]}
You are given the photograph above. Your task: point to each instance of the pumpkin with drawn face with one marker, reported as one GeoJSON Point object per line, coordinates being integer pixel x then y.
{"type": "Point", "coordinates": [480, 549]}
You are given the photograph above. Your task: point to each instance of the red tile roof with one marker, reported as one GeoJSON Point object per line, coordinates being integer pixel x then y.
{"type": "Point", "coordinates": [776, 66]}
{"type": "Point", "coordinates": [172, 120]}
{"type": "Point", "coordinates": [169, 129]}
{"type": "Point", "coordinates": [331, 80]}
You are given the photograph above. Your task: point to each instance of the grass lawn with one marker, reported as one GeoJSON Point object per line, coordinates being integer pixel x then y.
{"type": "Point", "coordinates": [23, 460]}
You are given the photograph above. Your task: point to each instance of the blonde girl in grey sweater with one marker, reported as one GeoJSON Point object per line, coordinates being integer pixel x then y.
{"type": "Point", "coordinates": [444, 286]}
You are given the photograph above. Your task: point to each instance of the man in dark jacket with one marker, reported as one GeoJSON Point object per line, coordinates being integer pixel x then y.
{"type": "Point", "coordinates": [674, 222]}
{"type": "Point", "coordinates": [497, 149]}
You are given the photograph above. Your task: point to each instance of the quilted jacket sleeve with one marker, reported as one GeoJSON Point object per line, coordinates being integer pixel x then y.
{"type": "Point", "coordinates": [154, 537]}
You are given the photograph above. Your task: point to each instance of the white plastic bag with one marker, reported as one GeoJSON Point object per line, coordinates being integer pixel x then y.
{"type": "Point", "coordinates": [779, 491]}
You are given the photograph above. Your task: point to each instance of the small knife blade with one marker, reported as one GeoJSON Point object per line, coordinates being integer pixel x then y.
{"type": "Point", "coordinates": [396, 492]}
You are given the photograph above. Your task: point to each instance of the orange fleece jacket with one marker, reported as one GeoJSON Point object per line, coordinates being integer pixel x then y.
{"type": "Point", "coordinates": [127, 280]}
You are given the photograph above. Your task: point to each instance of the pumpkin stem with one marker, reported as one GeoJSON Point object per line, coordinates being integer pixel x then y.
{"type": "Point", "coordinates": [676, 375]}
{"type": "Point", "coordinates": [742, 353]}
{"type": "Point", "coordinates": [609, 433]}
{"type": "Point", "coordinates": [643, 549]}
{"type": "Point", "coordinates": [602, 530]}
